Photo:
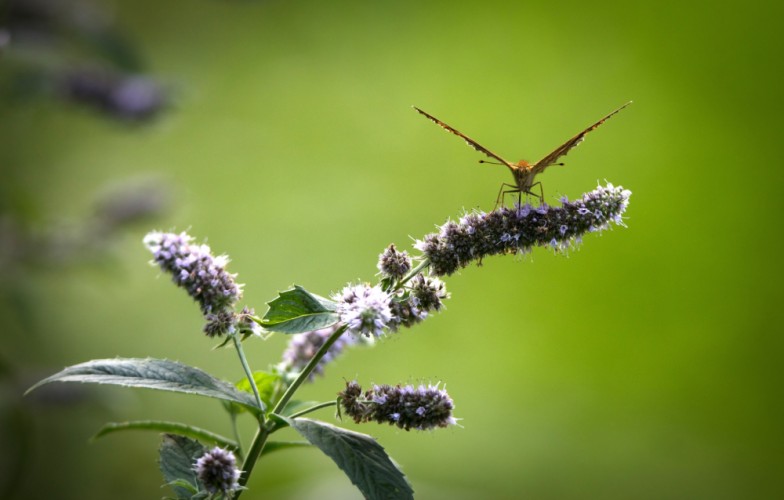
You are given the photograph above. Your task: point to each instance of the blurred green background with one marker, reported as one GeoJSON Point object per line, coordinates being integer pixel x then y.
{"type": "Point", "coordinates": [645, 365]}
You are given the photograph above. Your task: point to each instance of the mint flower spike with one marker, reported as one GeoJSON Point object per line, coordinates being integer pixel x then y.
{"type": "Point", "coordinates": [364, 309]}
{"type": "Point", "coordinates": [217, 471]}
{"type": "Point", "coordinates": [194, 268]}
{"type": "Point", "coordinates": [407, 407]}
{"type": "Point", "coordinates": [517, 230]}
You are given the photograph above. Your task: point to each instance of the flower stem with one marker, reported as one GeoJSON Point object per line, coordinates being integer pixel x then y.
{"type": "Point", "coordinates": [425, 262]}
{"type": "Point", "coordinates": [249, 374]}
{"type": "Point", "coordinates": [305, 373]}
{"type": "Point", "coordinates": [313, 408]}
{"type": "Point", "coordinates": [260, 439]}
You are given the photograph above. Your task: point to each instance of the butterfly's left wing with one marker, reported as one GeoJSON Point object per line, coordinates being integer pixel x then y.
{"type": "Point", "coordinates": [472, 143]}
{"type": "Point", "coordinates": [571, 143]}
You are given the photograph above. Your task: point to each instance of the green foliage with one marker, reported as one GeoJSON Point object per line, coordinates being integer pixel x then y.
{"type": "Point", "coordinates": [168, 428]}
{"type": "Point", "coordinates": [266, 383]}
{"type": "Point", "coordinates": [360, 457]}
{"type": "Point", "coordinates": [298, 311]}
{"type": "Point", "coordinates": [177, 456]}
{"type": "Point", "coordinates": [159, 374]}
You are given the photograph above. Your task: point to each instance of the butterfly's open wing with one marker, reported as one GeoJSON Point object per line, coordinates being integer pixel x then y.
{"type": "Point", "coordinates": [468, 140]}
{"type": "Point", "coordinates": [568, 145]}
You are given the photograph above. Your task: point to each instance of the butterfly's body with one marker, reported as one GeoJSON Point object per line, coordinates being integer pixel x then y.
{"type": "Point", "coordinates": [524, 172]}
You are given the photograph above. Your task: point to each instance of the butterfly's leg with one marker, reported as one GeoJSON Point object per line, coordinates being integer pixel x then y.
{"type": "Point", "coordinates": [502, 193]}
{"type": "Point", "coordinates": [541, 192]}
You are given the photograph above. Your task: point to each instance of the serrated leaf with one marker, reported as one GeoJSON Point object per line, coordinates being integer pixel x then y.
{"type": "Point", "coordinates": [177, 456]}
{"type": "Point", "coordinates": [159, 374]}
{"type": "Point", "coordinates": [360, 456]}
{"type": "Point", "coordinates": [298, 311]}
{"type": "Point", "coordinates": [168, 428]}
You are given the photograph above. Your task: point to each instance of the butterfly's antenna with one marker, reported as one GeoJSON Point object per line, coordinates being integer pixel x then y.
{"type": "Point", "coordinates": [490, 162]}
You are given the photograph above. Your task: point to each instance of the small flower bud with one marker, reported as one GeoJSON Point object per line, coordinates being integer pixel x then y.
{"type": "Point", "coordinates": [364, 309]}
{"type": "Point", "coordinates": [429, 292]}
{"type": "Point", "coordinates": [408, 407]}
{"type": "Point", "coordinates": [405, 312]}
{"type": "Point", "coordinates": [394, 264]}
{"type": "Point", "coordinates": [220, 323]}
{"type": "Point", "coordinates": [194, 268]}
{"type": "Point", "coordinates": [217, 471]}
{"type": "Point", "coordinates": [245, 324]}
{"type": "Point", "coordinates": [414, 302]}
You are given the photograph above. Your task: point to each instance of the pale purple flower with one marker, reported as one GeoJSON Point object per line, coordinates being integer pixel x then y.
{"type": "Point", "coordinates": [364, 308]}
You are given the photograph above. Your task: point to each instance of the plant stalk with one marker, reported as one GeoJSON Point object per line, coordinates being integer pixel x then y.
{"type": "Point", "coordinates": [260, 439]}
{"type": "Point", "coordinates": [249, 374]}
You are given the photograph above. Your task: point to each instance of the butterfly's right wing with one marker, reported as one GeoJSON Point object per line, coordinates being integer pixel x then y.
{"type": "Point", "coordinates": [467, 139]}
{"type": "Point", "coordinates": [563, 149]}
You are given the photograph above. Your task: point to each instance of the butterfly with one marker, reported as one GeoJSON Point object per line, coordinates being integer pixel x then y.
{"type": "Point", "coordinates": [524, 172]}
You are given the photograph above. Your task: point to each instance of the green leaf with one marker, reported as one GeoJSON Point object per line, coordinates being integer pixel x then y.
{"type": "Point", "coordinates": [362, 459]}
{"type": "Point", "coordinates": [266, 384]}
{"type": "Point", "coordinates": [177, 456]}
{"type": "Point", "coordinates": [282, 445]}
{"type": "Point", "coordinates": [298, 311]}
{"type": "Point", "coordinates": [151, 373]}
{"type": "Point", "coordinates": [169, 428]}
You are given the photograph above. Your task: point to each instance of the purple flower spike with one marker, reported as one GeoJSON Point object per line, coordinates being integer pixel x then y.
{"type": "Point", "coordinates": [517, 230]}
{"type": "Point", "coordinates": [408, 407]}
{"type": "Point", "coordinates": [194, 268]}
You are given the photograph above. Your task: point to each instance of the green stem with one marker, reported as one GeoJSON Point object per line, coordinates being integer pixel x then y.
{"type": "Point", "coordinates": [305, 373]}
{"type": "Point", "coordinates": [256, 447]}
{"type": "Point", "coordinates": [249, 374]}
{"type": "Point", "coordinates": [236, 433]}
{"type": "Point", "coordinates": [414, 272]}
{"type": "Point", "coordinates": [313, 408]}
{"type": "Point", "coordinates": [260, 439]}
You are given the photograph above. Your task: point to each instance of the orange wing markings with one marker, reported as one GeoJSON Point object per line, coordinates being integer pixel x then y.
{"type": "Point", "coordinates": [571, 143]}
{"type": "Point", "coordinates": [468, 140]}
